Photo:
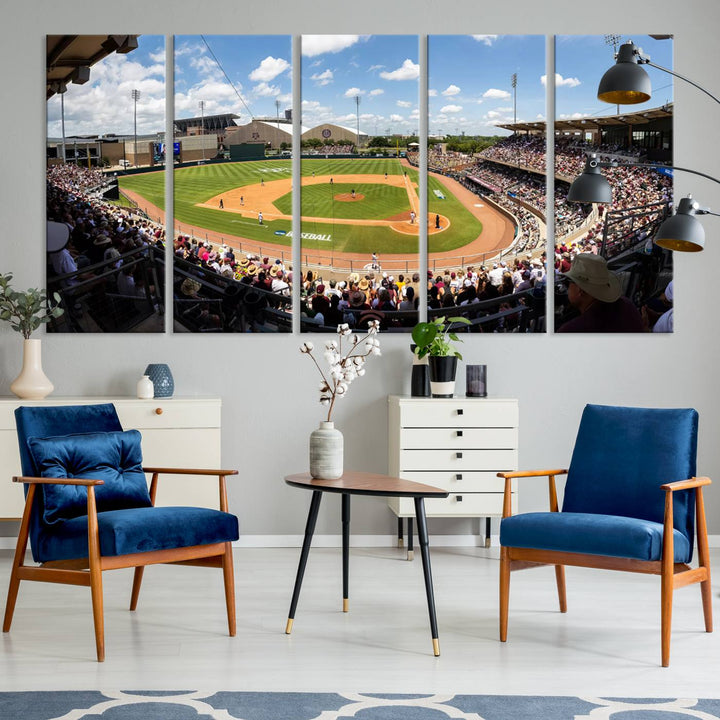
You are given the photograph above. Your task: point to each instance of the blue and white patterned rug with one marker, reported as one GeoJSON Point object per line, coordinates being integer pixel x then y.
{"type": "Point", "coordinates": [189, 705]}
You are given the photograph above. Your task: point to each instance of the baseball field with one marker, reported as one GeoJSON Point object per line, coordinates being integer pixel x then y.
{"type": "Point", "coordinates": [354, 205]}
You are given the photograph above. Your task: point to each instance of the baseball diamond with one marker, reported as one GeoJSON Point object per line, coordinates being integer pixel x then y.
{"type": "Point", "coordinates": [350, 207]}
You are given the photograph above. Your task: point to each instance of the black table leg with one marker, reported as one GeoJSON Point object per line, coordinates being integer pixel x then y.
{"type": "Point", "coordinates": [425, 553]}
{"type": "Point", "coordinates": [487, 532]}
{"type": "Point", "coordinates": [410, 551]}
{"type": "Point", "coordinates": [309, 530]}
{"type": "Point", "coordinates": [400, 532]}
{"type": "Point", "coordinates": [346, 548]}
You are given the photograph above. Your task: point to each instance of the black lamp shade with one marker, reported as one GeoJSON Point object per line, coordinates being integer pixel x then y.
{"type": "Point", "coordinates": [683, 231]}
{"type": "Point", "coordinates": [625, 83]}
{"type": "Point", "coordinates": [591, 186]}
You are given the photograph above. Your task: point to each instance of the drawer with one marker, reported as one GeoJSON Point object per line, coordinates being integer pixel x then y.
{"type": "Point", "coordinates": [458, 412]}
{"type": "Point", "coordinates": [458, 482]}
{"type": "Point", "coordinates": [457, 460]}
{"type": "Point", "coordinates": [168, 413]}
{"type": "Point", "coordinates": [459, 437]}
{"type": "Point", "coordinates": [455, 505]}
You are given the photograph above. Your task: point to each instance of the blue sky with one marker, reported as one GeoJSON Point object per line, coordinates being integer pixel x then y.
{"type": "Point", "coordinates": [258, 66]}
{"type": "Point", "coordinates": [469, 84]}
{"type": "Point", "coordinates": [581, 61]}
{"type": "Point", "coordinates": [382, 70]}
{"type": "Point", "coordinates": [104, 104]}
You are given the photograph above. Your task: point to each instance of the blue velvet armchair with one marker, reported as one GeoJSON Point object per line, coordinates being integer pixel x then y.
{"type": "Point", "coordinates": [632, 502]}
{"type": "Point", "coordinates": [88, 509]}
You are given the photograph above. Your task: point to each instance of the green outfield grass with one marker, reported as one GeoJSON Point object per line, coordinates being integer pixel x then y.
{"type": "Point", "coordinates": [379, 202]}
{"type": "Point", "coordinates": [198, 184]}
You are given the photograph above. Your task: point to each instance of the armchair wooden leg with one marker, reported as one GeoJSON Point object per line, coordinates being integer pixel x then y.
{"type": "Point", "coordinates": [704, 559]}
{"type": "Point", "coordinates": [96, 587]}
{"type": "Point", "coordinates": [666, 599]}
{"type": "Point", "coordinates": [137, 581]}
{"type": "Point", "coordinates": [229, 578]}
{"type": "Point", "coordinates": [18, 560]}
{"type": "Point", "coordinates": [560, 580]}
{"type": "Point", "coordinates": [504, 592]}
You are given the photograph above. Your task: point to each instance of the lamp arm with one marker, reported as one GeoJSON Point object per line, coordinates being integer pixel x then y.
{"type": "Point", "coordinates": [682, 77]}
{"type": "Point", "coordinates": [656, 165]}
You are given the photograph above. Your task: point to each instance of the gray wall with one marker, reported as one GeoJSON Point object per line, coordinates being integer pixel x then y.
{"type": "Point", "coordinates": [268, 388]}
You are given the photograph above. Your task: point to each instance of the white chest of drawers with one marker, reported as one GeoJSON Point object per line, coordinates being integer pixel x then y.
{"type": "Point", "coordinates": [176, 432]}
{"type": "Point", "coordinates": [458, 444]}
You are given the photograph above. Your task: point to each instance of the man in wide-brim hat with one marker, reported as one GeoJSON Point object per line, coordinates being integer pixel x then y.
{"type": "Point", "coordinates": [596, 292]}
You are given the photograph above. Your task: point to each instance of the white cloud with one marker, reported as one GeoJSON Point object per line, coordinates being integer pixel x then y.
{"type": "Point", "coordinates": [504, 109]}
{"type": "Point", "coordinates": [269, 69]}
{"type": "Point", "coordinates": [323, 78]}
{"type": "Point", "coordinates": [451, 109]}
{"type": "Point", "coordinates": [264, 90]}
{"type": "Point", "coordinates": [486, 39]}
{"type": "Point", "coordinates": [560, 81]}
{"type": "Point", "coordinates": [451, 90]}
{"type": "Point", "coordinates": [377, 91]}
{"type": "Point", "coordinates": [496, 94]}
{"type": "Point", "coordinates": [432, 93]}
{"type": "Point", "coordinates": [313, 45]}
{"type": "Point", "coordinates": [492, 115]}
{"type": "Point", "coordinates": [397, 118]}
{"type": "Point", "coordinates": [408, 71]}
{"type": "Point", "coordinates": [158, 57]}
{"type": "Point", "coordinates": [353, 91]}
{"type": "Point", "coordinates": [404, 103]}
{"type": "Point", "coordinates": [375, 67]}
{"type": "Point", "coordinates": [204, 64]}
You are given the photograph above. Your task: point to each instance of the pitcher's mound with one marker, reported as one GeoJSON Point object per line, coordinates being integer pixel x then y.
{"type": "Point", "coordinates": [348, 197]}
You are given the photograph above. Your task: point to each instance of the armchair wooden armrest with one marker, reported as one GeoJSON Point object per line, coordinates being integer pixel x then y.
{"type": "Point", "coordinates": [220, 474]}
{"type": "Point", "coordinates": [509, 476]}
{"type": "Point", "coordinates": [695, 482]}
{"type": "Point", "coordinates": [188, 471]}
{"type": "Point", "coordinates": [57, 481]}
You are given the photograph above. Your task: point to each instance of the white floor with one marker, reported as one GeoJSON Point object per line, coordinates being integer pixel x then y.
{"type": "Point", "coordinates": [608, 644]}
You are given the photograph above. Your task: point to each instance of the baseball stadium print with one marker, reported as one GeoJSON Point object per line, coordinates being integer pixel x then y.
{"type": "Point", "coordinates": [232, 266]}
{"type": "Point", "coordinates": [105, 125]}
{"type": "Point", "coordinates": [613, 189]}
{"type": "Point", "coordinates": [487, 238]}
{"type": "Point", "coordinates": [360, 204]}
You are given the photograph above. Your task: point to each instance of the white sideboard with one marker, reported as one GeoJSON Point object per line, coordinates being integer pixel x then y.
{"type": "Point", "coordinates": [458, 444]}
{"type": "Point", "coordinates": [176, 432]}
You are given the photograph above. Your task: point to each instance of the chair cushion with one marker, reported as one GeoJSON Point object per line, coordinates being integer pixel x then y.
{"type": "Point", "coordinates": [623, 455]}
{"type": "Point", "coordinates": [592, 534]}
{"type": "Point", "coordinates": [114, 457]}
{"type": "Point", "coordinates": [137, 530]}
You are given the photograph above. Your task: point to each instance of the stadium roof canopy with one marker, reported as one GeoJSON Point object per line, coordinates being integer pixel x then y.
{"type": "Point", "coordinates": [70, 57]}
{"type": "Point", "coordinates": [584, 124]}
{"type": "Point", "coordinates": [209, 122]}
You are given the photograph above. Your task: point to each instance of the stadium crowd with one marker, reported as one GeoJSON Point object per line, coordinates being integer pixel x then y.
{"type": "Point", "coordinates": [99, 231]}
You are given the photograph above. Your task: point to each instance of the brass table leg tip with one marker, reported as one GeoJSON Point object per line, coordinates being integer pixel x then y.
{"type": "Point", "coordinates": [288, 627]}
{"type": "Point", "coordinates": [346, 605]}
{"type": "Point", "coordinates": [410, 554]}
{"type": "Point", "coordinates": [436, 647]}
{"type": "Point", "coordinates": [401, 542]}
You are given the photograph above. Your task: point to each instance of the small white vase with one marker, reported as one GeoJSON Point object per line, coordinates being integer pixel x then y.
{"type": "Point", "coordinates": [145, 388]}
{"type": "Point", "coordinates": [326, 452]}
{"type": "Point", "coordinates": [32, 383]}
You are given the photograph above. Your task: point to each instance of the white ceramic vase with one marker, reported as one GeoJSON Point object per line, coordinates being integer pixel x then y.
{"type": "Point", "coordinates": [326, 452]}
{"type": "Point", "coordinates": [145, 388]}
{"type": "Point", "coordinates": [32, 383]}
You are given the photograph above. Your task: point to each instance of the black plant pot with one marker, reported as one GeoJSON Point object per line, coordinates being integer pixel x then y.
{"type": "Point", "coordinates": [442, 375]}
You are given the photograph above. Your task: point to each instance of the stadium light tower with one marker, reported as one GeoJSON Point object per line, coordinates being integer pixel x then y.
{"type": "Point", "coordinates": [513, 80]}
{"type": "Point", "coordinates": [135, 94]}
{"type": "Point", "coordinates": [201, 105]}
{"type": "Point", "coordinates": [357, 113]}
{"type": "Point", "coordinates": [614, 41]}
{"type": "Point", "coordinates": [277, 113]}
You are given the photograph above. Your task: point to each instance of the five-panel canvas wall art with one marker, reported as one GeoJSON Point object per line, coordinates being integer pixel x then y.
{"type": "Point", "coordinates": [423, 186]}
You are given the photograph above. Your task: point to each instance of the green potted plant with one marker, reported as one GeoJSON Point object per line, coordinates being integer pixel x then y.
{"type": "Point", "coordinates": [26, 311]}
{"type": "Point", "coordinates": [435, 340]}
